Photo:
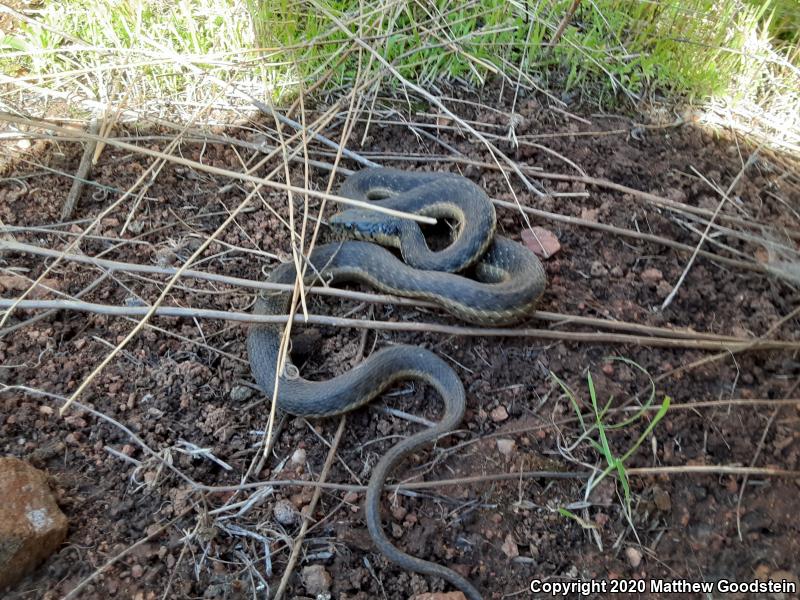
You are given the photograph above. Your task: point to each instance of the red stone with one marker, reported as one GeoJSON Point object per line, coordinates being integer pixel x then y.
{"type": "Point", "coordinates": [32, 526]}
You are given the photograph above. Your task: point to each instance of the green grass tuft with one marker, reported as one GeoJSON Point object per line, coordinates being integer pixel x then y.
{"type": "Point", "coordinates": [615, 464]}
{"type": "Point", "coordinates": [741, 53]}
{"type": "Point", "coordinates": [696, 49]}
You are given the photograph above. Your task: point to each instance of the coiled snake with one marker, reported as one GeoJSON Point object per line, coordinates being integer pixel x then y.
{"type": "Point", "coordinates": [510, 280]}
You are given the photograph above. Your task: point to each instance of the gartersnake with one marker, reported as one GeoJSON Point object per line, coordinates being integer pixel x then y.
{"type": "Point", "coordinates": [510, 281]}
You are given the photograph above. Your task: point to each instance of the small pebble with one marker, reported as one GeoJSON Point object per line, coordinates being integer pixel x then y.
{"type": "Point", "coordinates": [316, 579]}
{"type": "Point", "coordinates": [598, 270]}
{"type": "Point", "coordinates": [298, 457]}
{"type": "Point", "coordinates": [285, 513]}
{"type": "Point", "coordinates": [240, 393]}
{"type": "Point", "coordinates": [634, 556]}
{"type": "Point", "coordinates": [499, 414]}
{"type": "Point", "coordinates": [662, 500]}
{"type": "Point", "coordinates": [652, 276]}
{"type": "Point", "coordinates": [137, 571]}
{"type": "Point", "coordinates": [509, 547]}
{"type": "Point", "coordinates": [506, 447]}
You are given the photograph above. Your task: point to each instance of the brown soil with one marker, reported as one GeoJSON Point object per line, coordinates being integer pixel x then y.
{"type": "Point", "coordinates": [188, 380]}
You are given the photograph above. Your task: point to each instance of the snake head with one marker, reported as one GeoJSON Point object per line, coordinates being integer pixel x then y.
{"type": "Point", "coordinates": [367, 226]}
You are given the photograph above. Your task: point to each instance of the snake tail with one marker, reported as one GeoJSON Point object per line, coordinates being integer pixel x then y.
{"type": "Point", "coordinates": [355, 388]}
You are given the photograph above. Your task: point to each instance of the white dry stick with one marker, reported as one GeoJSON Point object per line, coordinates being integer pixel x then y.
{"type": "Point", "coordinates": [87, 231]}
{"type": "Point", "coordinates": [668, 299]}
{"type": "Point", "coordinates": [698, 342]}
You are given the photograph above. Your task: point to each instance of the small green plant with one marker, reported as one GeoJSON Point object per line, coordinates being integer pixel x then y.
{"type": "Point", "coordinates": [595, 432]}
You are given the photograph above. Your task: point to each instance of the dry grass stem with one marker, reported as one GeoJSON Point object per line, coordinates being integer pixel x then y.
{"type": "Point", "coordinates": [544, 334]}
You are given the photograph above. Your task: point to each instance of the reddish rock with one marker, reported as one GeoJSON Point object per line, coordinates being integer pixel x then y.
{"type": "Point", "coordinates": [32, 526]}
{"type": "Point", "coordinates": [499, 414]}
{"type": "Point", "coordinates": [542, 242]}
{"type": "Point", "coordinates": [652, 276]}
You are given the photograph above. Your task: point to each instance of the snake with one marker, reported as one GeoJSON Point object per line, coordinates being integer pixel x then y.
{"type": "Point", "coordinates": [508, 281]}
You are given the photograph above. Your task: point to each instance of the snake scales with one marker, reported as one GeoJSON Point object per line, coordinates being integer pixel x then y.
{"type": "Point", "coordinates": [509, 277]}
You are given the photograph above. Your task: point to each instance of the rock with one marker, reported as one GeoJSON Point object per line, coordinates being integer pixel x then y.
{"type": "Point", "coordinates": [298, 457]}
{"type": "Point", "coordinates": [662, 500]}
{"type": "Point", "coordinates": [32, 526]}
{"type": "Point", "coordinates": [499, 414]}
{"type": "Point", "coordinates": [542, 242]}
{"type": "Point", "coordinates": [506, 447]}
{"type": "Point", "coordinates": [634, 556]}
{"type": "Point", "coordinates": [240, 393]}
{"type": "Point", "coordinates": [598, 269]}
{"type": "Point", "coordinates": [652, 276]}
{"type": "Point", "coordinates": [616, 271]}
{"type": "Point", "coordinates": [509, 547]}
{"type": "Point", "coordinates": [285, 512]}
{"type": "Point", "coordinates": [316, 579]}
{"type": "Point", "coordinates": [440, 596]}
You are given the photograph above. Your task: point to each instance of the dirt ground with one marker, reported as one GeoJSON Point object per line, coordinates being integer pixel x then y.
{"type": "Point", "coordinates": [187, 380]}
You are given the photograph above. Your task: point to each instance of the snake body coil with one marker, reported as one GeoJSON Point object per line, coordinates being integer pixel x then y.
{"type": "Point", "coordinates": [510, 281]}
